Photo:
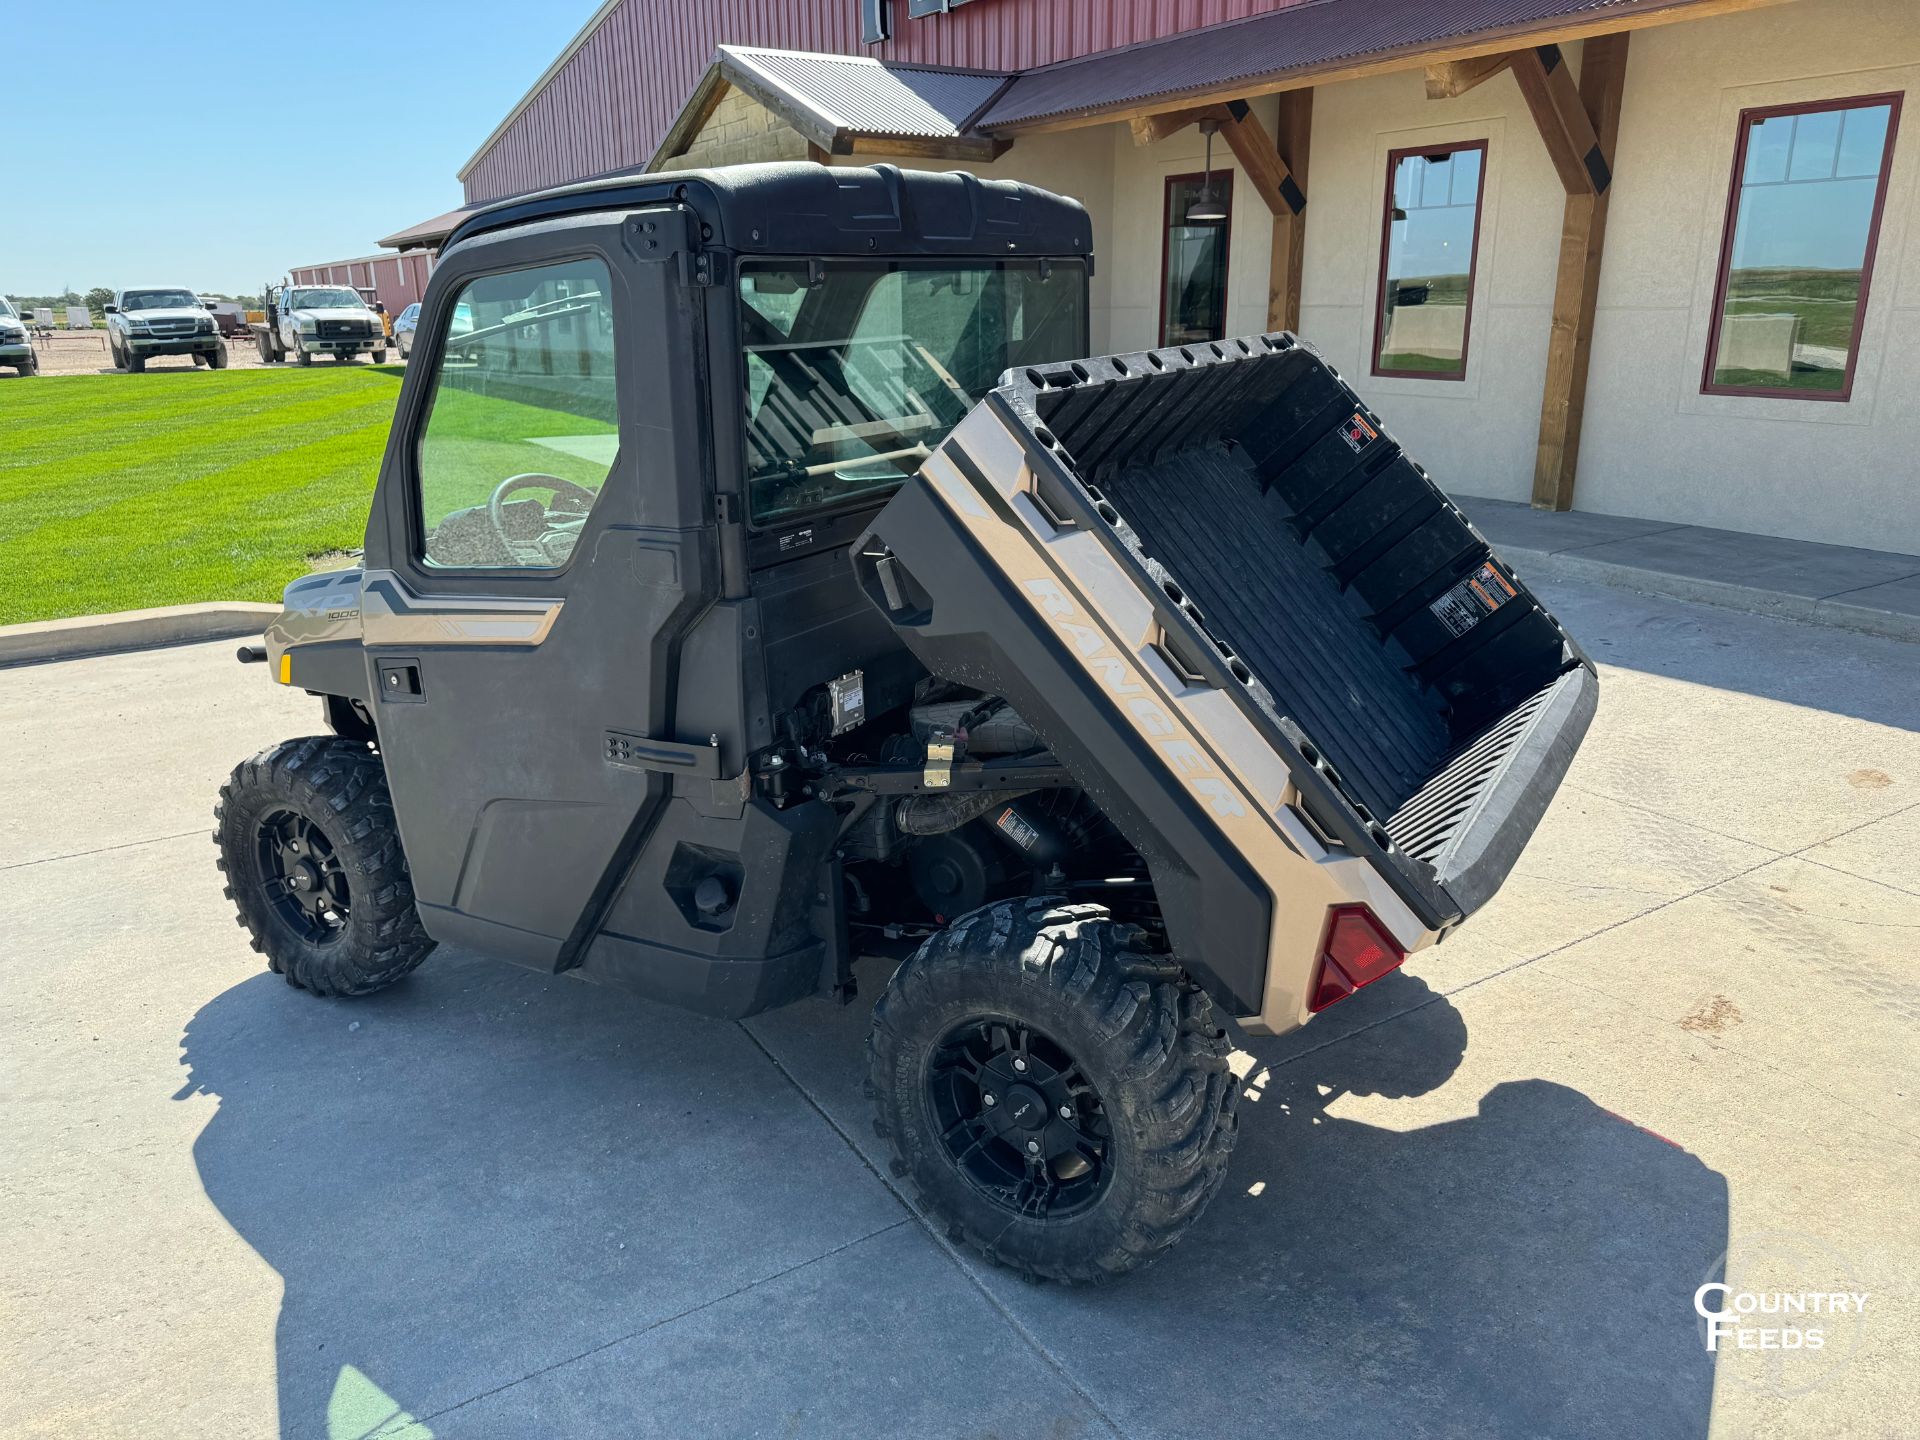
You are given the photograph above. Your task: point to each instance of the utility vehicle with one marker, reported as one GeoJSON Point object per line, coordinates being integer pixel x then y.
{"type": "Point", "coordinates": [761, 575]}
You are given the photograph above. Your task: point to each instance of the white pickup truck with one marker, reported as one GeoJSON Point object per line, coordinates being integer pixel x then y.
{"type": "Point", "coordinates": [149, 321]}
{"type": "Point", "coordinates": [308, 320]}
{"type": "Point", "coordinates": [16, 340]}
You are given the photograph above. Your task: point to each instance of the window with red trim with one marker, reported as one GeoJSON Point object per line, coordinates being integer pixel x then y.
{"type": "Point", "coordinates": [1430, 234]}
{"type": "Point", "coordinates": [1796, 257]}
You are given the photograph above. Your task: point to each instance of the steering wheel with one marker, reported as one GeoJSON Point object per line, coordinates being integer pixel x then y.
{"type": "Point", "coordinates": [530, 552]}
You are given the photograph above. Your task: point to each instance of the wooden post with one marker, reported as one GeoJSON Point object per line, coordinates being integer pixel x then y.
{"type": "Point", "coordinates": [1293, 138]}
{"type": "Point", "coordinates": [1583, 234]}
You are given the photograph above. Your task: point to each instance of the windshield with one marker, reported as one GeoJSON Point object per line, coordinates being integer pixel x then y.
{"type": "Point", "coordinates": [325, 300]}
{"type": "Point", "coordinates": [850, 383]}
{"type": "Point", "coordinates": [159, 300]}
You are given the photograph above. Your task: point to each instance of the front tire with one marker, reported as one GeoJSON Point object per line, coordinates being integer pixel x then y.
{"type": "Point", "coordinates": [314, 867]}
{"type": "Point", "coordinates": [380, 356]}
{"type": "Point", "coordinates": [1056, 1091]}
{"type": "Point", "coordinates": [305, 357]}
{"type": "Point", "coordinates": [217, 359]}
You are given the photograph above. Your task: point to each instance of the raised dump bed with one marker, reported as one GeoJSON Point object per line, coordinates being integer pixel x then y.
{"type": "Point", "coordinates": [1282, 552]}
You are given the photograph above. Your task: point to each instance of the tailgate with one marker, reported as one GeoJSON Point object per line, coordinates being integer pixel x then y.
{"type": "Point", "coordinates": [1256, 632]}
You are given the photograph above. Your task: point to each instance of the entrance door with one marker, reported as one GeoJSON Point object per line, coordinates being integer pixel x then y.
{"type": "Point", "coordinates": [534, 556]}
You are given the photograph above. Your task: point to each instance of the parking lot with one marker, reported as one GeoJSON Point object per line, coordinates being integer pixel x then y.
{"type": "Point", "coordinates": [1477, 1199]}
{"type": "Point", "coordinates": [84, 352]}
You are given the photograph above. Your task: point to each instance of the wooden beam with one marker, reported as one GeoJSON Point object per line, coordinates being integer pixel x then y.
{"type": "Point", "coordinates": [1576, 292]}
{"type": "Point", "coordinates": [1561, 116]}
{"type": "Point", "coordinates": [693, 117]}
{"type": "Point", "coordinates": [1152, 129]}
{"type": "Point", "coordinates": [1260, 159]}
{"type": "Point", "coordinates": [978, 148]}
{"type": "Point", "coordinates": [1495, 41]}
{"type": "Point", "coordinates": [1293, 137]}
{"type": "Point", "coordinates": [1448, 79]}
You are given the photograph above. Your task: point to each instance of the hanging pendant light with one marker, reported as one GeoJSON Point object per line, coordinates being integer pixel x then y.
{"type": "Point", "coordinates": [1206, 207]}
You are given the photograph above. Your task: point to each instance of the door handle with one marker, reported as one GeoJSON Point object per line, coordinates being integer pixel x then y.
{"type": "Point", "coordinates": [400, 682]}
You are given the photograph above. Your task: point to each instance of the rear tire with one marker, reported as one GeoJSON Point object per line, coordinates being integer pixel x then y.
{"type": "Point", "coordinates": [1084, 1184]}
{"type": "Point", "coordinates": [314, 867]}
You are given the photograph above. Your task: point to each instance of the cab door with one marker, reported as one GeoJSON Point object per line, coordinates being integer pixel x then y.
{"type": "Point", "coordinates": [535, 553]}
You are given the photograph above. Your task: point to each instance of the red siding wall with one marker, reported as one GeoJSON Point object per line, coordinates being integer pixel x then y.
{"type": "Point", "coordinates": [618, 94]}
{"type": "Point", "coordinates": [397, 280]}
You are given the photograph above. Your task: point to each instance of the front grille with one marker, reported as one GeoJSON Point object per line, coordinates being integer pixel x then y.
{"type": "Point", "coordinates": [344, 330]}
{"type": "Point", "coordinates": [171, 329]}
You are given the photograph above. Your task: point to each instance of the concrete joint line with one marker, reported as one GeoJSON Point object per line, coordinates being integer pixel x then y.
{"type": "Point", "coordinates": [946, 1247]}
{"type": "Point", "coordinates": [663, 1320]}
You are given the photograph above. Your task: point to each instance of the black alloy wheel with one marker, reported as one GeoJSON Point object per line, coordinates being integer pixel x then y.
{"type": "Point", "coordinates": [302, 878]}
{"type": "Point", "coordinates": [1019, 1119]}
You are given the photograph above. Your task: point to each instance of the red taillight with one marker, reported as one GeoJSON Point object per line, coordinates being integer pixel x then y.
{"type": "Point", "coordinates": [1356, 952]}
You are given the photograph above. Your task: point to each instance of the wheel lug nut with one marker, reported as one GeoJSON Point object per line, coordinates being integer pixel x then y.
{"type": "Point", "coordinates": [1019, 1064]}
{"type": "Point", "coordinates": [1066, 1112]}
{"type": "Point", "coordinates": [989, 1100]}
{"type": "Point", "coordinates": [1033, 1147]}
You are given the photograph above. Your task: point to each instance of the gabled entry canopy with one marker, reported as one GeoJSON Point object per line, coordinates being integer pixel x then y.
{"type": "Point", "coordinates": [848, 104]}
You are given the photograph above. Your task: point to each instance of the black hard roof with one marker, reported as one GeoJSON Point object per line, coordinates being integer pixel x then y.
{"type": "Point", "coordinates": [799, 208]}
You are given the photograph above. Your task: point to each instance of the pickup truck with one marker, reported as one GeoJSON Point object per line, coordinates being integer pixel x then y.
{"type": "Point", "coordinates": [16, 340]}
{"type": "Point", "coordinates": [149, 321]}
{"type": "Point", "coordinates": [308, 320]}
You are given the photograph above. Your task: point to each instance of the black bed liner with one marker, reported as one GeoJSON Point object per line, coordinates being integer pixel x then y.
{"type": "Point", "coordinates": [1355, 603]}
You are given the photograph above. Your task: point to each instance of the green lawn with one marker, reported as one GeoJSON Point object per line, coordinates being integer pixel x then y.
{"type": "Point", "coordinates": [124, 491]}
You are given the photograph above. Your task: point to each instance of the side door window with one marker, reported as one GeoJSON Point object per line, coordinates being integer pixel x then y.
{"type": "Point", "coordinates": [522, 426]}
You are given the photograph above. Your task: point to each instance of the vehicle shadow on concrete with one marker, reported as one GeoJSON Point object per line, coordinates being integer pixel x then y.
{"type": "Point", "coordinates": [484, 1172]}
{"type": "Point", "coordinates": [495, 1171]}
{"type": "Point", "coordinates": [1526, 1269]}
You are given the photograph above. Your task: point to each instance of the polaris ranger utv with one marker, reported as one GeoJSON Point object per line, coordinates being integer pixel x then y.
{"type": "Point", "coordinates": [761, 577]}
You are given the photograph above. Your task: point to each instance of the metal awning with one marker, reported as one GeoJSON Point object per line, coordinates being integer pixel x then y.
{"type": "Point", "coordinates": [1316, 41]}
{"type": "Point", "coordinates": [428, 234]}
{"type": "Point", "coordinates": [848, 104]}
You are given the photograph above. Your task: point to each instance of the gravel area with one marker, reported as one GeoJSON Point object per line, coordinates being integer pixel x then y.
{"type": "Point", "coordinates": [84, 352]}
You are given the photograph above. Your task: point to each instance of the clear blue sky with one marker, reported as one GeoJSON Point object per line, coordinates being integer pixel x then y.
{"type": "Point", "coordinates": [216, 143]}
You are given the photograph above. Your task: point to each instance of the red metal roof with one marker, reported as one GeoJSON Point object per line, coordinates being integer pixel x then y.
{"type": "Point", "coordinates": [622, 82]}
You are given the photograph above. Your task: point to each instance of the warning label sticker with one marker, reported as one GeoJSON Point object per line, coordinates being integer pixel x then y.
{"type": "Point", "coordinates": [1358, 433]}
{"type": "Point", "coordinates": [1472, 600]}
{"type": "Point", "coordinates": [1015, 828]}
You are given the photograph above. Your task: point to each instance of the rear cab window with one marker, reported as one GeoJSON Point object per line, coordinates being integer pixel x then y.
{"type": "Point", "coordinates": [522, 427]}
{"type": "Point", "coordinates": [856, 372]}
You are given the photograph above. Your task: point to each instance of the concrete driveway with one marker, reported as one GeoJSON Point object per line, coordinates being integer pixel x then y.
{"type": "Point", "coordinates": [1476, 1200]}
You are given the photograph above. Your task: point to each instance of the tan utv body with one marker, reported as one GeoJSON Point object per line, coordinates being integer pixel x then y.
{"type": "Point", "coordinates": [1221, 465]}
{"type": "Point", "coordinates": [767, 587]}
